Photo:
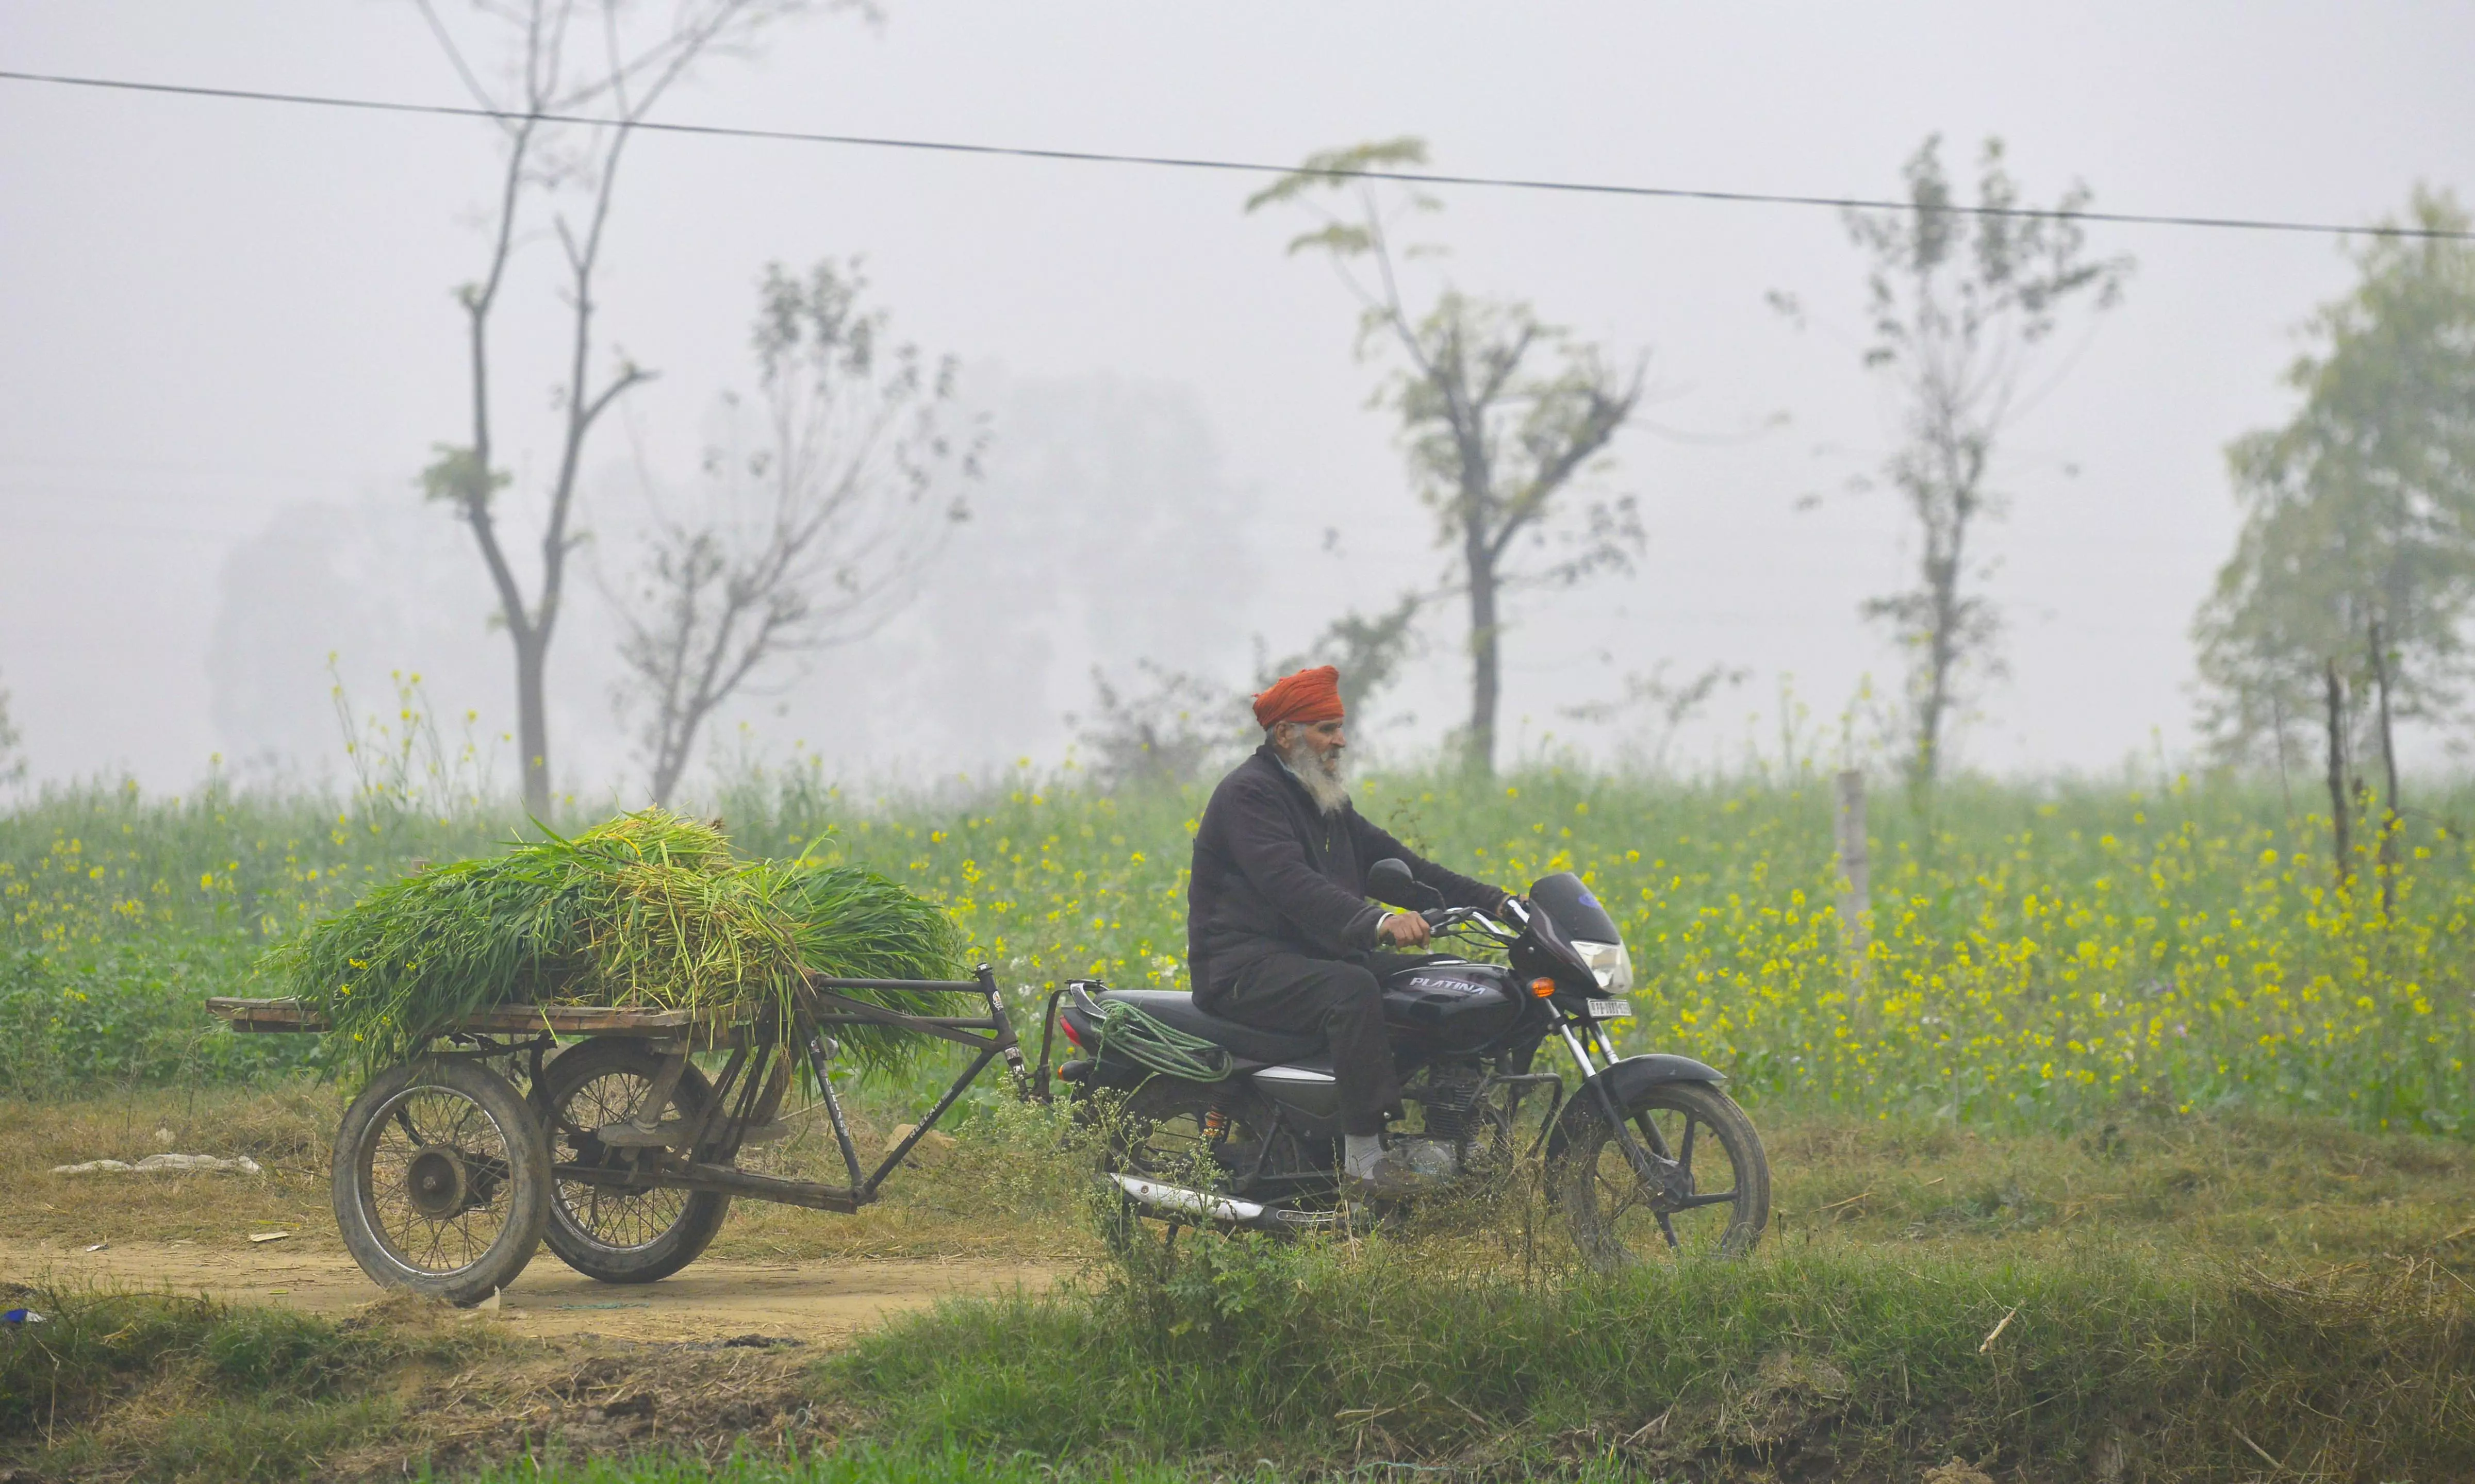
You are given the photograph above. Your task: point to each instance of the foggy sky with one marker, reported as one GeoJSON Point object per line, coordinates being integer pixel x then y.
{"type": "Point", "coordinates": [228, 349]}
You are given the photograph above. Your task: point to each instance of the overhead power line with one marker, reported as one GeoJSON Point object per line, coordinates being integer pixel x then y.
{"type": "Point", "coordinates": [1232, 167]}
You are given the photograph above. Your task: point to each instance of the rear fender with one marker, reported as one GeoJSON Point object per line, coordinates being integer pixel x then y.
{"type": "Point", "coordinates": [1622, 1081]}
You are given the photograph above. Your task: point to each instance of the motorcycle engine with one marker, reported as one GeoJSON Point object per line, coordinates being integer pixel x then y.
{"type": "Point", "coordinates": [1449, 1094]}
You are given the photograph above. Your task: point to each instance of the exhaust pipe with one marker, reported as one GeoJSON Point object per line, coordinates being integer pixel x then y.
{"type": "Point", "coordinates": [1195, 1205]}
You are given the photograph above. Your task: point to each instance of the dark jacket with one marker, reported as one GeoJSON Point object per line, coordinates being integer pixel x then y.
{"type": "Point", "coordinates": [1274, 874]}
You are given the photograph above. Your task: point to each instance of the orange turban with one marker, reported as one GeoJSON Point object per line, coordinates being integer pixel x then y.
{"type": "Point", "coordinates": [1308, 695]}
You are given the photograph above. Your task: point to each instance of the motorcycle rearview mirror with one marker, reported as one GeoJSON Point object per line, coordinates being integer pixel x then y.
{"type": "Point", "coordinates": [1388, 880]}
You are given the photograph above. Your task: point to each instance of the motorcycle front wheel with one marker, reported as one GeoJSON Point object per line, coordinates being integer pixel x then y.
{"type": "Point", "coordinates": [1711, 1194]}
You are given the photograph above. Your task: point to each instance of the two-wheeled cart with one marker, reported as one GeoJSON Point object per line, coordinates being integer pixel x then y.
{"type": "Point", "coordinates": [601, 1130]}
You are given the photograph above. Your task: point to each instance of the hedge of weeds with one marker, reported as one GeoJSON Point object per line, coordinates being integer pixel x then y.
{"type": "Point", "coordinates": [1822, 1361]}
{"type": "Point", "coordinates": [161, 1386]}
{"type": "Point", "coordinates": [98, 1016]}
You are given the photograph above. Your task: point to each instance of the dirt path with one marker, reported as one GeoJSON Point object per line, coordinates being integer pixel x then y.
{"type": "Point", "coordinates": [714, 1299]}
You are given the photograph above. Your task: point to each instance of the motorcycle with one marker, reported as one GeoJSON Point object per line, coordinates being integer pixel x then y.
{"type": "Point", "coordinates": [1645, 1155]}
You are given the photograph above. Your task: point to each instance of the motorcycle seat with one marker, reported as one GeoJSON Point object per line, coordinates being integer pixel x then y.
{"type": "Point", "coordinates": [1247, 1043]}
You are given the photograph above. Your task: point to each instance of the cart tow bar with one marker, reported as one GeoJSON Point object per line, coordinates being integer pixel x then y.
{"type": "Point", "coordinates": [1007, 1046]}
{"type": "Point", "coordinates": [821, 1053]}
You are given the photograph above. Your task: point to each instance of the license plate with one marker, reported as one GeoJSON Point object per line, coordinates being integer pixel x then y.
{"type": "Point", "coordinates": [1610, 1010]}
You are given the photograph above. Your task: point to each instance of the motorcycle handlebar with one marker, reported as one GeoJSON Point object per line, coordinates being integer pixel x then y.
{"type": "Point", "coordinates": [1438, 917]}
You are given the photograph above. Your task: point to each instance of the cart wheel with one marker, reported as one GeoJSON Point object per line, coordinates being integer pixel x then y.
{"type": "Point", "coordinates": [619, 1235]}
{"type": "Point", "coordinates": [441, 1179]}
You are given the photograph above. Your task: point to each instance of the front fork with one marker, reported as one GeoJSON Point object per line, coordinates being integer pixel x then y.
{"type": "Point", "coordinates": [1654, 1167]}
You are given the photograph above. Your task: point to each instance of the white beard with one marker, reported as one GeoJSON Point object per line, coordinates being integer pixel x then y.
{"type": "Point", "coordinates": [1322, 775]}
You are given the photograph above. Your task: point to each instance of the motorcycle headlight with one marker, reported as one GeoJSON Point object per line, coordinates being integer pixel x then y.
{"type": "Point", "coordinates": [1609, 965]}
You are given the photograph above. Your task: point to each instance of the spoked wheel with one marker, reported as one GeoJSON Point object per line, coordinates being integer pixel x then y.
{"type": "Point", "coordinates": [610, 1233]}
{"type": "Point", "coordinates": [441, 1179]}
{"type": "Point", "coordinates": [1711, 1186]}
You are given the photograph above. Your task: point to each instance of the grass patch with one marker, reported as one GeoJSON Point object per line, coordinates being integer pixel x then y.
{"type": "Point", "coordinates": [287, 1128]}
{"type": "Point", "coordinates": [2180, 1286]}
{"type": "Point", "coordinates": [156, 1386]}
{"type": "Point", "coordinates": [2287, 1194]}
{"type": "Point", "coordinates": [2175, 1286]}
{"type": "Point", "coordinates": [1821, 1360]}
{"type": "Point", "coordinates": [121, 1386]}
{"type": "Point", "coordinates": [861, 1464]}
{"type": "Point", "coordinates": [1009, 1186]}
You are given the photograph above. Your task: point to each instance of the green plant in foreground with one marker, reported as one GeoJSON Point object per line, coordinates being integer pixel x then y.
{"type": "Point", "coordinates": [1869, 1362]}
{"type": "Point", "coordinates": [95, 1344]}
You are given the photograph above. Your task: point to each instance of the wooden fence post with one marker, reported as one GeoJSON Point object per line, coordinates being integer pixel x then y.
{"type": "Point", "coordinates": [1855, 891]}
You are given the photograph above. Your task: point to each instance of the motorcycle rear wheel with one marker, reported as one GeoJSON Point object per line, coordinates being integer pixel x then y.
{"type": "Point", "coordinates": [1717, 1204]}
{"type": "Point", "coordinates": [1164, 1130]}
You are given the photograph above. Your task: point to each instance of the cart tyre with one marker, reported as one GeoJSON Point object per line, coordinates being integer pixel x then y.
{"type": "Point", "coordinates": [699, 1213]}
{"type": "Point", "coordinates": [485, 1151]}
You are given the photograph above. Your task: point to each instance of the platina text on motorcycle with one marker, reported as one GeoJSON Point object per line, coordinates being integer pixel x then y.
{"type": "Point", "coordinates": [1214, 1123]}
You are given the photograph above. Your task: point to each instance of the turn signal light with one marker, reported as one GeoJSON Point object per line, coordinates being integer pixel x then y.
{"type": "Point", "coordinates": [1542, 987]}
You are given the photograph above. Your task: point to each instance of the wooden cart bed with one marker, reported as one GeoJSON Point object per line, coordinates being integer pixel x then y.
{"type": "Point", "coordinates": [499, 1020]}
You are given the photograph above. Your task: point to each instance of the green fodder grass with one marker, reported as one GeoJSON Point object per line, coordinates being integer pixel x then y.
{"type": "Point", "coordinates": [647, 910]}
{"type": "Point", "coordinates": [1818, 1362]}
{"type": "Point", "coordinates": [156, 1386]}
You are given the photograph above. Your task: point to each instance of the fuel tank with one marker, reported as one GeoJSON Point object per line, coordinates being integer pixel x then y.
{"type": "Point", "coordinates": [1451, 1009]}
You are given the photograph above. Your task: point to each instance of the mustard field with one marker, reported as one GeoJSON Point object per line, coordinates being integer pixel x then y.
{"type": "Point", "coordinates": [2035, 953]}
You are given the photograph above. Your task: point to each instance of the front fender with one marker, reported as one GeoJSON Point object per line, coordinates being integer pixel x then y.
{"type": "Point", "coordinates": [1622, 1080]}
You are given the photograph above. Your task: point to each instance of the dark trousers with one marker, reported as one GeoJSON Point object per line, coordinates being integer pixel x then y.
{"type": "Point", "coordinates": [1335, 998]}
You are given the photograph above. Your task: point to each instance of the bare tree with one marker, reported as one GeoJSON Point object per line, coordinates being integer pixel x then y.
{"type": "Point", "coordinates": [1960, 303]}
{"type": "Point", "coordinates": [1500, 412]}
{"type": "Point", "coordinates": [1670, 706]}
{"type": "Point", "coordinates": [560, 57]}
{"type": "Point", "coordinates": [1164, 735]}
{"type": "Point", "coordinates": [816, 530]}
{"type": "Point", "coordinates": [1171, 726]}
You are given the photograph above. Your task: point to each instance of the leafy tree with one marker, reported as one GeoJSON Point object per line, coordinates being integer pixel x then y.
{"type": "Point", "coordinates": [600, 58]}
{"type": "Point", "coordinates": [1501, 413]}
{"type": "Point", "coordinates": [1368, 649]}
{"type": "Point", "coordinates": [1960, 306]}
{"type": "Point", "coordinates": [817, 531]}
{"type": "Point", "coordinates": [1164, 734]}
{"type": "Point", "coordinates": [2358, 514]}
{"type": "Point", "coordinates": [12, 762]}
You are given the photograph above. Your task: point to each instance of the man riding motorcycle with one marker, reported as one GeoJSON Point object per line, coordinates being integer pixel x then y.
{"type": "Point", "coordinates": [1280, 933]}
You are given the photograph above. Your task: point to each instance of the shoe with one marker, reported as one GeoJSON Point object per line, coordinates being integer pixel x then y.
{"type": "Point", "coordinates": [1393, 1179]}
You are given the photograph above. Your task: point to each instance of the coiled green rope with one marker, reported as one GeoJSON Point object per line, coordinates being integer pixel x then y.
{"type": "Point", "coordinates": [1147, 1042]}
